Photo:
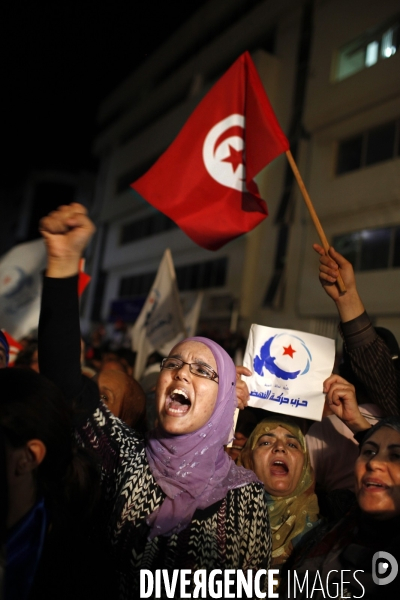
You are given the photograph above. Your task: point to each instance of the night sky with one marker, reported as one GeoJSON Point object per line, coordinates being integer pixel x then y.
{"type": "Point", "coordinates": [59, 62]}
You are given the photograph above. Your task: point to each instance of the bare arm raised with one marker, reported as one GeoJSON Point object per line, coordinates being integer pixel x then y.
{"type": "Point", "coordinates": [349, 305]}
{"type": "Point", "coordinates": [341, 399]}
{"type": "Point", "coordinates": [66, 231]}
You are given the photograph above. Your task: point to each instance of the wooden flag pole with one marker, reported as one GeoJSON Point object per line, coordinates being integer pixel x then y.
{"type": "Point", "coordinates": [314, 216]}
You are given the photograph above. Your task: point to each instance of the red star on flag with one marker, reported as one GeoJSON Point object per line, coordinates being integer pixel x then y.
{"type": "Point", "coordinates": [235, 158]}
{"type": "Point", "coordinates": [6, 280]}
{"type": "Point", "coordinates": [289, 350]}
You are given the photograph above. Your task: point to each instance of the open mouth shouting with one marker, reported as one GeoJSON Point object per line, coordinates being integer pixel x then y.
{"type": "Point", "coordinates": [279, 468]}
{"type": "Point", "coordinates": [278, 460]}
{"type": "Point", "coordinates": [177, 402]}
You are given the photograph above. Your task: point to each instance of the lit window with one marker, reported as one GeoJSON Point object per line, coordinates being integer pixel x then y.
{"type": "Point", "coordinates": [388, 46]}
{"type": "Point", "coordinates": [372, 53]}
{"type": "Point", "coordinates": [377, 44]}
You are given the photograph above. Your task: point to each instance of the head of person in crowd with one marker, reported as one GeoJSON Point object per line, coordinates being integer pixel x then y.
{"type": "Point", "coordinates": [28, 358]}
{"type": "Point", "coordinates": [127, 357]}
{"type": "Point", "coordinates": [276, 451]}
{"type": "Point", "coordinates": [45, 469]}
{"type": "Point", "coordinates": [124, 397]}
{"type": "Point", "coordinates": [377, 470]}
{"type": "Point", "coordinates": [4, 351]}
{"type": "Point", "coordinates": [247, 420]}
{"type": "Point", "coordinates": [111, 362]}
{"type": "Point", "coordinates": [148, 381]}
{"type": "Point", "coordinates": [112, 365]}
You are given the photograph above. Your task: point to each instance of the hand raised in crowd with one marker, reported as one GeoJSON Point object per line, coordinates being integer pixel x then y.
{"type": "Point", "coordinates": [341, 399]}
{"type": "Point", "coordinates": [331, 265]}
{"type": "Point", "coordinates": [242, 391]}
{"type": "Point", "coordinates": [242, 395]}
{"type": "Point", "coordinates": [237, 445]}
{"type": "Point", "coordinates": [66, 231]}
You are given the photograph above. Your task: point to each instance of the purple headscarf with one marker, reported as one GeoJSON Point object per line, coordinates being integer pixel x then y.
{"type": "Point", "coordinates": [193, 469]}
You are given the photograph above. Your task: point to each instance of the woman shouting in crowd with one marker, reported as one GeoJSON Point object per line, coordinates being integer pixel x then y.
{"type": "Point", "coordinates": [175, 500]}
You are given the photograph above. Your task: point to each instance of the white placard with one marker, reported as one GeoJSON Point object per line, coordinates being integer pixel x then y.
{"type": "Point", "coordinates": [289, 368]}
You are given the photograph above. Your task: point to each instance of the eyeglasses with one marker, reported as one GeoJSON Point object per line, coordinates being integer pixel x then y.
{"type": "Point", "coordinates": [199, 369]}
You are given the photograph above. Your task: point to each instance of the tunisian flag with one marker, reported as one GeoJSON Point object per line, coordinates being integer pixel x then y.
{"type": "Point", "coordinates": [204, 180]}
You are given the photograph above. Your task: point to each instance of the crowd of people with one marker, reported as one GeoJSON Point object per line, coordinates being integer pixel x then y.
{"type": "Point", "coordinates": [107, 477]}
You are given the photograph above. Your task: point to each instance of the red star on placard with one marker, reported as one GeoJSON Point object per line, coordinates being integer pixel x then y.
{"type": "Point", "coordinates": [289, 350]}
{"type": "Point", "coordinates": [235, 158]}
{"type": "Point", "coordinates": [6, 280]}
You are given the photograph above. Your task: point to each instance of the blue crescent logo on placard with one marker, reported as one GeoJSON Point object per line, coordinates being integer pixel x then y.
{"type": "Point", "coordinates": [223, 151]}
{"type": "Point", "coordinates": [284, 355]}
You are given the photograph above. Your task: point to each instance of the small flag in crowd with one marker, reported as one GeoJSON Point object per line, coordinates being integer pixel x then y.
{"type": "Point", "coordinates": [289, 368]}
{"type": "Point", "coordinates": [205, 179]}
{"type": "Point", "coordinates": [83, 278]}
{"type": "Point", "coordinates": [161, 319]}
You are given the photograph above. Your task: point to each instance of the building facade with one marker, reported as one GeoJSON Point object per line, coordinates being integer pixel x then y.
{"type": "Point", "coordinates": [331, 71]}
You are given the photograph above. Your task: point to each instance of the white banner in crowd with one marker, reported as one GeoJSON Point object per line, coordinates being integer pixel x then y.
{"type": "Point", "coordinates": [191, 307]}
{"type": "Point", "coordinates": [20, 287]}
{"type": "Point", "coordinates": [289, 368]}
{"type": "Point", "coordinates": [161, 319]}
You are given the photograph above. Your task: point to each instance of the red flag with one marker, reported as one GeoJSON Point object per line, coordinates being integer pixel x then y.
{"type": "Point", "coordinates": [204, 180]}
{"type": "Point", "coordinates": [83, 278]}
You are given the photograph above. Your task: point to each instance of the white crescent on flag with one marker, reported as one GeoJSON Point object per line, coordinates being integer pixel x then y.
{"type": "Point", "coordinates": [223, 151]}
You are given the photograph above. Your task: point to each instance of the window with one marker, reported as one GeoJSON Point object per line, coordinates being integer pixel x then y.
{"type": "Point", "coordinates": [396, 250]}
{"type": "Point", "coordinates": [198, 276]}
{"type": "Point", "coordinates": [377, 44]}
{"type": "Point", "coordinates": [368, 148]}
{"type": "Point", "coordinates": [136, 285]}
{"type": "Point", "coordinates": [349, 155]}
{"type": "Point", "coordinates": [211, 273]}
{"type": "Point", "coordinates": [380, 143]}
{"type": "Point", "coordinates": [152, 225]}
{"type": "Point", "coordinates": [370, 249]}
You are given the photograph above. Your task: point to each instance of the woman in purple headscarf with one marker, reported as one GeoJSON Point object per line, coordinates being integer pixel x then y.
{"type": "Point", "coordinates": [175, 500]}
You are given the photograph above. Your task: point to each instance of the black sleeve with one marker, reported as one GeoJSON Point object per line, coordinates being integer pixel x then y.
{"type": "Point", "coordinates": [59, 341]}
{"type": "Point", "coordinates": [113, 442]}
{"type": "Point", "coordinates": [371, 362]}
